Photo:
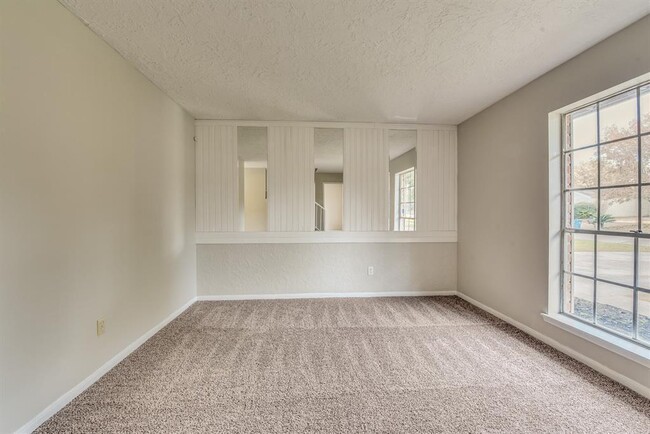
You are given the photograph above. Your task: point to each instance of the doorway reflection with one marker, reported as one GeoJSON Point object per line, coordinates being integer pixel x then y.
{"type": "Point", "coordinates": [328, 179]}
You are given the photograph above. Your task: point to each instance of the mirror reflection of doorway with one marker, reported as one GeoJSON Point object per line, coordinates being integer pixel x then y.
{"type": "Point", "coordinates": [333, 204]}
{"type": "Point", "coordinates": [328, 179]}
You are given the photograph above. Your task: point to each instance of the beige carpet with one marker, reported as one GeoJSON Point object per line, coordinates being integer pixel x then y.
{"type": "Point", "coordinates": [427, 364]}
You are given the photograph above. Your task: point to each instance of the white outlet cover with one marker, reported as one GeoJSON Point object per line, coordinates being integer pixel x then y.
{"type": "Point", "coordinates": [371, 270]}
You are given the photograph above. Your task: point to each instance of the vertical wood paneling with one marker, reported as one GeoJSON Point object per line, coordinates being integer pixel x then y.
{"type": "Point", "coordinates": [217, 180]}
{"type": "Point", "coordinates": [366, 191]}
{"type": "Point", "coordinates": [291, 179]}
{"type": "Point", "coordinates": [436, 180]}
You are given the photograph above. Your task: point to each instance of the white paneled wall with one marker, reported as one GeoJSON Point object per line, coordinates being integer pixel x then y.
{"type": "Point", "coordinates": [291, 179]}
{"type": "Point", "coordinates": [366, 188]}
{"type": "Point", "coordinates": [217, 180]}
{"type": "Point", "coordinates": [436, 180]}
{"type": "Point", "coordinates": [366, 178]}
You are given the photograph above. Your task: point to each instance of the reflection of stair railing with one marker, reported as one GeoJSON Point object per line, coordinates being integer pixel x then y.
{"type": "Point", "coordinates": [320, 217]}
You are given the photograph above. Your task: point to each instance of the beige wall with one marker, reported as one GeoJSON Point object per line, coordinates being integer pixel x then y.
{"type": "Point", "coordinates": [255, 202]}
{"type": "Point", "coordinates": [304, 268]}
{"type": "Point", "coordinates": [321, 178]}
{"type": "Point", "coordinates": [97, 205]}
{"type": "Point", "coordinates": [503, 188]}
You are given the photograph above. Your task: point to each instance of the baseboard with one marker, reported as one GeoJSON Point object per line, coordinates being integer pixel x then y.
{"type": "Point", "coordinates": [286, 296]}
{"type": "Point", "coordinates": [597, 366]}
{"type": "Point", "coordinates": [62, 401]}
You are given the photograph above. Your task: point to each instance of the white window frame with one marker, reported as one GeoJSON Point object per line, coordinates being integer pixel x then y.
{"type": "Point", "coordinates": [633, 350]}
{"type": "Point", "coordinates": [398, 200]}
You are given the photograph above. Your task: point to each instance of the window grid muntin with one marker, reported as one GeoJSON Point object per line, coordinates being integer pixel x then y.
{"type": "Point", "coordinates": [636, 235]}
{"type": "Point", "coordinates": [402, 219]}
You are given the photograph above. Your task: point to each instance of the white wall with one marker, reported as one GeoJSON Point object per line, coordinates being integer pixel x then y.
{"type": "Point", "coordinates": [503, 188]}
{"type": "Point", "coordinates": [217, 179]}
{"type": "Point", "coordinates": [290, 179]}
{"type": "Point", "coordinates": [302, 268]}
{"type": "Point", "coordinates": [97, 205]}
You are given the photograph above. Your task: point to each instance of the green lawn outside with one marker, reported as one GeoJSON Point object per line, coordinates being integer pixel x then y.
{"type": "Point", "coordinates": [588, 246]}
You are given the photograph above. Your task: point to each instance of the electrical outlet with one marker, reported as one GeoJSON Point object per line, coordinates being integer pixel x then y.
{"type": "Point", "coordinates": [371, 271]}
{"type": "Point", "coordinates": [101, 327]}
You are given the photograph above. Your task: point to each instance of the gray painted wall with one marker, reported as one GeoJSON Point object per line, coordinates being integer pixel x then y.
{"type": "Point", "coordinates": [302, 268]}
{"type": "Point", "coordinates": [503, 188]}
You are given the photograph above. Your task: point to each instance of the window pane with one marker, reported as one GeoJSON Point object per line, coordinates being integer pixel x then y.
{"type": "Point", "coordinates": [615, 259]}
{"type": "Point", "coordinates": [582, 168]}
{"type": "Point", "coordinates": [407, 195]}
{"type": "Point", "coordinates": [582, 126]}
{"type": "Point", "coordinates": [644, 263]}
{"type": "Point", "coordinates": [645, 159]}
{"type": "Point", "coordinates": [618, 117]}
{"type": "Point", "coordinates": [407, 210]}
{"type": "Point", "coordinates": [408, 180]}
{"type": "Point", "coordinates": [614, 307]}
{"type": "Point", "coordinates": [578, 296]}
{"type": "Point", "coordinates": [645, 209]}
{"type": "Point", "coordinates": [643, 316]}
{"type": "Point", "coordinates": [619, 163]}
{"type": "Point", "coordinates": [645, 108]}
{"type": "Point", "coordinates": [579, 253]}
{"type": "Point", "coordinates": [581, 209]}
{"type": "Point", "coordinates": [619, 209]}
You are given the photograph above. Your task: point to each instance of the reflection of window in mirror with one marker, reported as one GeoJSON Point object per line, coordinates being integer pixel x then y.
{"type": "Point", "coordinates": [328, 179]}
{"type": "Point", "coordinates": [402, 167]}
{"type": "Point", "coordinates": [253, 187]}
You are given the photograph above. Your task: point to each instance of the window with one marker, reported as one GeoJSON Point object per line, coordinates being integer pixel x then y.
{"type": "Point", "coordinates": [405, 192]}
{"type": "Point", "coordinates": [606, 214]}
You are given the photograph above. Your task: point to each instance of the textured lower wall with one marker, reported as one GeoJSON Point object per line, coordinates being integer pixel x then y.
{"type": "Point", "coordinates": [225, 269]}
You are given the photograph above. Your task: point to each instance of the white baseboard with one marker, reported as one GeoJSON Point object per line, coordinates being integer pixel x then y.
{"type": "Point", "coordinates": [620, 378]}
{"type": "Point", "coordinates": [322, 295]}
{"type": "Point", "coordinates": [64, 399]}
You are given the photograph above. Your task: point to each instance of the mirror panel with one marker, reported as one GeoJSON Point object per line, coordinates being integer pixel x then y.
{"type": "Point", "coordinates": [252, 156]}
{"type": "Point", "coordinates": [328, 179]}
{"type": "Point", "coordinates": [402, 171]}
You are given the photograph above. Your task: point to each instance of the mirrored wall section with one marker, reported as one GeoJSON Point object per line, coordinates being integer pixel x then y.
{"type": "Point", "coordinates": [311, 177]}
{"type": "Point", "coordinates": [252, 158]}
{"type": "Point", "coordinates": [402, 179]}
{"type": "Point", "coordinates": [328, 179]}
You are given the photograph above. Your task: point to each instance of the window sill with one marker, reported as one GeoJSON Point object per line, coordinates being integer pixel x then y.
{"type": "Point", "coordinates": [324, 237]}
{"type": "Point", "coordinates": [620, 346]}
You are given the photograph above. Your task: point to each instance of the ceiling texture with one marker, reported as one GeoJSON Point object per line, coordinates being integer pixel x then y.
{"type": "Point", "coordinates": [406, 61]}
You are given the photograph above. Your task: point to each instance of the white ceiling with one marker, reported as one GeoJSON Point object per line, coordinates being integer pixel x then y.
{"type": "Point", "coordinates": [349, 60]}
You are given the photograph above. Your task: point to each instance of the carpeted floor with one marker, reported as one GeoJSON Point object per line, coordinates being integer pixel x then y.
{"type": "Point", "coordinates": [425, 364]}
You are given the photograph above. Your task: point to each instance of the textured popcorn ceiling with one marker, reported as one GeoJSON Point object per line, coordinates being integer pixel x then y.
{"type": "Point", "coordinates": [352, 60]}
